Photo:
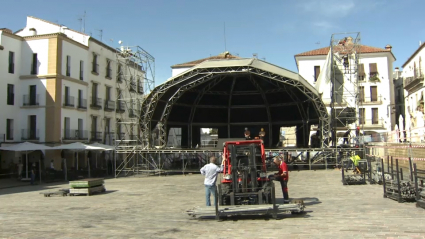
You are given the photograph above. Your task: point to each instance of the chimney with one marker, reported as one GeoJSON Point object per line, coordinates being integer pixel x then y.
{"type": "Point", "coordinates": [33, 32]}
{"type": "Point", "coordinates": [388, 47]}
{"type": "Point", "coordinates": [397, 69]}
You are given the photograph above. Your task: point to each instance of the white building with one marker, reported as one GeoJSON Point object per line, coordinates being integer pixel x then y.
{"type": "Point", "coordinates": [375, 84]}
{"type": "Point", "coordinates": [413, 74]}
{"type": "Point", "coordinates": [61, 87]}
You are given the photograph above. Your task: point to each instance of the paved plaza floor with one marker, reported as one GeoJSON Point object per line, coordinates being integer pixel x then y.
{"type": "Point", "coordinates": [155, 207]}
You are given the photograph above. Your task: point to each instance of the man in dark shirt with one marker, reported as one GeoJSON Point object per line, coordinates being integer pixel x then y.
{"type": "Point", "coordinates": [282, 176]}
{"type": "Point", "coordinates": [247, 134]}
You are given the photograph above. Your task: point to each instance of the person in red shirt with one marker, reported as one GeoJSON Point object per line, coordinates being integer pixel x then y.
{"type": "Point", "coordinates": [282, 176]}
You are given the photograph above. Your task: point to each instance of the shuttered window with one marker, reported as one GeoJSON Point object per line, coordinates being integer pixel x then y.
{"type": "Point", "coordinates": [375, 116]}
{"type": "Point", "coordinates": [373, 70]}
{"type": "Point", "coordinates": [373, 93]}
{"type": "Point", "coordinates": [361, 73]}
{"type": "Point", "coordinates": [316, 72]}
{"type": "Point", "coordinates": [361, 94]}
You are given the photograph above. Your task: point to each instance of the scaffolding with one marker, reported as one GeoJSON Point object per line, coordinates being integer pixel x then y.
{"type": "Point", "coordinates": [345, 115]}
{"type": "Point", "coordinates": [135, 79]}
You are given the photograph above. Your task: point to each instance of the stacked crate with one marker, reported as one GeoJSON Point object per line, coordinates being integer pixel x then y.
{"type": "Point", "coordinates": [86, 186]}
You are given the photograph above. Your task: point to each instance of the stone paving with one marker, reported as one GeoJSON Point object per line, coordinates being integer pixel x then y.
{"type": "Point", "coordinates": [154, 207]}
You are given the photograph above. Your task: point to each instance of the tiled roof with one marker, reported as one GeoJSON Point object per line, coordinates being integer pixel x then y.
{"type": "Point", "coordinates": [325, 50]}
{"type": "Point", "coordinates": [222, 56]}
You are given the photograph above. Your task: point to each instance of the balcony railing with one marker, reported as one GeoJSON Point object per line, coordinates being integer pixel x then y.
{"type": "Point", "coordinates": [412, 81]}
{"type": "Point", "coordinates": [68, 101]}
{"type": "Point", "coordinates": [75, 134]}
{"type": "Point", "coordinates": [374, 77]}
{"type": "Point", "coordinates": [371, 100]}
{"type": "Point", "coordinates": [9, 134]}
{"type": "Point", "coordinates": [2, 138]}
{"type": "Point", "coordinates": [372, 122]}
{"type": "Point", "coordinates": [418, 74]}
{"type": "Point", "coordinates": [82, 103]}
{"type": "Point", "coordinates": [30, 134]}
{"type": "Point", "coordinates": [109, 105]}
{"type": "Point", "coordinates": [31, 100]}
{"type": "Point", "coordinates": [121, 136]}
{"type": "Point", "coordinates": [96, 103]}
{"type": "Point", "coordinates": [120, 106]}
{"type": "Point", "coordinates": [95, 136]}
{"type": "Point", "coordinates": [133, 113]}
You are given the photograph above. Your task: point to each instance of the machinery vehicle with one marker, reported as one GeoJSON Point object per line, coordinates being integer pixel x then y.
{"type": "Point", "coordinates": [245, 179]}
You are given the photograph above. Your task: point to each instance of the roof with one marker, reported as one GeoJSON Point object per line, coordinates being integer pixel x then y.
{"type": "Point", "coordinates": [57, 25]}
{"type": "Point", "coordinates": [414, 54]}
{"type": "Point", "coordinates": [325, 50]}
{"type": "Point", "coordinates": [222, 56]}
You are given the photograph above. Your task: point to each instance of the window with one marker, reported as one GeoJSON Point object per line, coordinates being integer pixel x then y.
{"type": "Point", "coordinates": [361, 73]}
{"type": "Point", "coordinates": [9, 129]}
{"type": "Point", "coordinates": [119, 73]}
{"type": "Point", "coordinates": [33, 134]}
{"type": "Point", "coordinates": [67, 126]}
{"type": "Point", "coordinates": [95, 68]}
{"type": "Point", "coordinates": [361, 116]}
{"type": "Point", "coordinates": [316, 72]}
{"type": "Point", "coordinates": [373, 70]}
{"type": "Point", "coordinates": [80, 129]}
{"type": "Point", "coordinates": [108, 69]}
{"type": "Point", "coordinates": [10, 94]}
{"type": "Point", "coordinates": [107, 125]}
{"type": "Point", "coordinates": [81, 70]}
{"type": "Point", "coordinates": [375, 119]}
{"type": "Point", "coordinates": [108, 93]}
{"type": "Point", "coordinates": [373, 93]}
{"type": "Point", "coordinates": [33, 95]}
{"type": "Point", "coordinates": [361, 94]}
{"type": "Point", "coordinates": [11, 62]}
{"type": "Point", "coordinates": [34, 64]}
{"type": "Point", "coordinates": [69, 100]}
{"type": "Point", "coordinates": [68, 65]}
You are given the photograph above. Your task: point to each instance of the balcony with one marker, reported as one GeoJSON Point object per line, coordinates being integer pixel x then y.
{"type": "Point", "coordinates": [30, 134]}
{"type": "Point", "coordinates": [95, 136]}
{"type": "Point", "coordinates": [110, 137]}
{"type": "Point", "coordinates": [96, 103]}
{"type": "Point", "coordinates": [415, 81]}
{"type": "Point", "coordinates": [371, 100]}
{"type": "Point", "coordinates": [68, 101]}
{"type": "Point", "coordinates": [82, 103]}
{"type": "Point", "coordinates": [120, 106]}
{"type": "Point", "coordinates": [372, 123]}
{"type": "Point", "coordinates": [75, 134]}
{"type": "Point", "coordinates": [133, 113]}
{"type": "Point", "coordinates": [374, 77]}
{"type": "Point", "coordinates": [109, 105]}
{"type": "Point", "coordinates": [121, 136]}
{"type": "Point", "coordinates": [133, 139]}
{"type": "Point", "coordinates": [30, 100]}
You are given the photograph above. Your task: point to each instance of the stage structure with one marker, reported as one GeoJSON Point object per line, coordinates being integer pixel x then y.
{"type": "Point", "coordinates": [135, 79]}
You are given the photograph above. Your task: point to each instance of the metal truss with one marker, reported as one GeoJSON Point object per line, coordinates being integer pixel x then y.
{"type": "Point", "coordinates": [345, 49]}
{"type": "Point", "coordinates": [203, 75]}
{"type": "Point", "coordinates": [135, 79]}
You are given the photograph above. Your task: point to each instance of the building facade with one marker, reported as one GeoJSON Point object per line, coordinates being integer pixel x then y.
{"type": "Point", "coordinates": [62, 86]}
{"type": "Point", "coordinates": [375, 83]}
{"type": "Point", "coordinates": [413, 75]}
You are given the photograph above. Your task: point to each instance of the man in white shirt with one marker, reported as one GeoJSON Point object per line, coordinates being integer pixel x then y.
{"type": "Point", "coordinates": [210, 172]}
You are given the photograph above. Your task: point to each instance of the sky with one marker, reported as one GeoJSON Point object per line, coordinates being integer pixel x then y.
{"type": "Point", "coordinates": [178, 31]}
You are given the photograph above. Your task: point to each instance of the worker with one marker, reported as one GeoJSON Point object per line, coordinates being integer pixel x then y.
{"type": "Point", "coordinates": [262, 134]}
{"type": "Point", "coordinates": [346, 135]}
{"type": "Point", "coordinates": [282, 176]}
{"type": "Point", "coordinates": [247, 134]}
{"type": "Point", "coordinates": [210, 172]}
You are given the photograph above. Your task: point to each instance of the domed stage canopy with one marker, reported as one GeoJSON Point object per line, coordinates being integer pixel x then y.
{"type": "Point", "coordinates": [231, 95]}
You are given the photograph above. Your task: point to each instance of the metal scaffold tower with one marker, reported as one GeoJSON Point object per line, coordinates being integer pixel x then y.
{"type": "Point", "coordinates": [135, 79]}
{"type": "Point", "coordinates": [345, 49]}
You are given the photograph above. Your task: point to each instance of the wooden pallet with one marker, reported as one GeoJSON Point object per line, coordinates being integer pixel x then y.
{"type": "Point", "coordinates": [86, 191]}
{"type": "Point", "coordinates": [86, 183]}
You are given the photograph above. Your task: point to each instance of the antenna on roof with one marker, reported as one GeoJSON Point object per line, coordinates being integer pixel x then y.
{"type": "Point", "coordinates": [100, 33]}
{"type": "Point", "coordinates": [317, 43]}
{"type": "Point", "coordinates": [224, 27]}
{"type": "Point", "coordinates": [82, 21]}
